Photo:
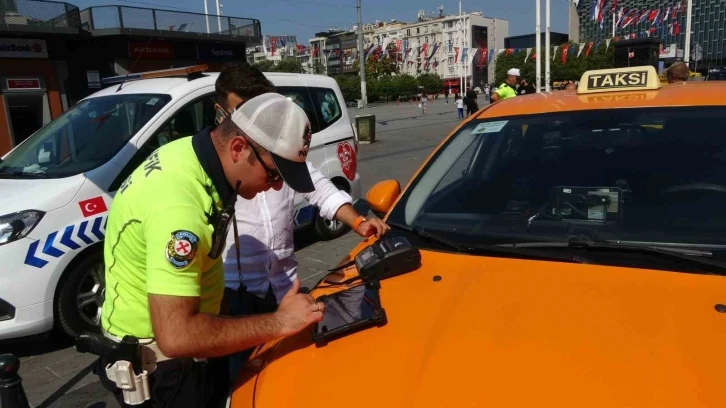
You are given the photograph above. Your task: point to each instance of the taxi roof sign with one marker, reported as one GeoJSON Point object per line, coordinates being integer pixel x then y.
{"type": "Point", "coordinates": [619, 79]}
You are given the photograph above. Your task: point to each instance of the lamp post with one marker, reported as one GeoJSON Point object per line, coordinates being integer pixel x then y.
{"type": "Point", "coordinates": [537, 50]}
{"type": "Point", "coordinates": [206, 15]}
{"type": "Point", "coordinates": [547, 45]}
{"type": "Point", "coordinates": [361, 60]}
{"type": "Point", "coordinates": [687, 45]}
{"type": "Point", "coordinates": [219, 19]}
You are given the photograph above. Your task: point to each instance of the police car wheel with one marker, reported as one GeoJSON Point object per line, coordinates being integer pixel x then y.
{"type": "Point", "coordinates": [328, 230]}
{"type": "Point", "coordinates": [81, 295]}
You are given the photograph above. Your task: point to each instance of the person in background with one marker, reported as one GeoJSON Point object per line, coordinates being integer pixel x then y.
{"type": "Point", "coordinates": [446, 96]}
{"type": "Point", "coordinates": [424, 102]}
{"type": "Point", "coordinates": [525, 88]}
{"type": "Point", "coordinates": [570, 86]}
{"type": "Point", "coordinates": [486, 93]}
{"type": "Point", "coordinates": [506, 90]}
{"type": "Point", "coordinates": [678, 72]}
{"type": "Point", "coordinates": [471, 102]}
{"type": "Point", "coordinates": [459, 106]}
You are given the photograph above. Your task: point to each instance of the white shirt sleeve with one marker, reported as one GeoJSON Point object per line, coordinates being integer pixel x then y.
{"type": "Point", "coordinates": [326, 195]}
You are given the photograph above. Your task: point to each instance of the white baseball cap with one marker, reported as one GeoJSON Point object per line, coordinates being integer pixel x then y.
{"type": "Point", "coordinates": [282, 128]}
{"type": "Point", "coordinates": [514, 72]}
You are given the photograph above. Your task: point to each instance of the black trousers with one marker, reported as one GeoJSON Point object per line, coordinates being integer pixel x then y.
{"type": "Point", "coordinates": [180, 383]}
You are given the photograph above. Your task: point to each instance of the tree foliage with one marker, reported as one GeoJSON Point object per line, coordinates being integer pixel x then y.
{"type": "Point", "coordinates": [572, 69]}
{"type": "Point", "coordinates": [375, 69]}
{"type": "Point", "coordinates": [431, 83]}
{"type": "Point", "coordinates": [289, 65]}
{"type": "Point", "coordinates": [388, 87]}
{"type": "Point", "coordinates": [285, 65]}
{"type": "Point", "coordinates": [265, 66]}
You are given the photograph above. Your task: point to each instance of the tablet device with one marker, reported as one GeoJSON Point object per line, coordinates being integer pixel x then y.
{"type": "Point", "coordinates": [349, 311]}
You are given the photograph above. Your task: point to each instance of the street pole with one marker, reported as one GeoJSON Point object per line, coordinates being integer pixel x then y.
{"type": "Point", "coordinates": [538, 49]}
{"type": "Point", "coordinates": [687, 46]}
{"type": "Point", "coordinates": [361, 59]}
{"type": "Point", "coordinates": [547, 45]}
{"type": "Point", "coordinates": [461, 52]}
{"type": "Point", "coordinates": [206, 15]}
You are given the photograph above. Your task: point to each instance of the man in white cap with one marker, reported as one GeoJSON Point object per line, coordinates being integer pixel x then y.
{"type": "Point", "coordinates": [507, 89]}
{"type": "Point", "coordinates": [166, 233]}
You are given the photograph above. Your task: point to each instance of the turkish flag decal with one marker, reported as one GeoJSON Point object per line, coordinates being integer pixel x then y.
{"type": "Point", "coordinates": [346, 157]}
{"type": "Point", "coordinates": [93, 206]}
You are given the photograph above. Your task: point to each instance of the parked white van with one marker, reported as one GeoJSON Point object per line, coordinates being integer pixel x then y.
{"type": "Point", "coordinates": [56, 187]}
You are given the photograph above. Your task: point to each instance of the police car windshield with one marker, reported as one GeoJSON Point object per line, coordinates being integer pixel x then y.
{"type": "Point", "coordinates": [85, 137]}
{"type": "Point", "coordinates": [645, 175]}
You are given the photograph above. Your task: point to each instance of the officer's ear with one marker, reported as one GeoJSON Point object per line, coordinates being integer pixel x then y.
{"type": "Point", "coordinates": [239, 147]}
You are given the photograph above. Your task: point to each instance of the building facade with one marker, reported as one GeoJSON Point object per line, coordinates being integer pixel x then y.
{"type": "Point", "coordinates": [452, 47]}
{"type": "Point", "coordinates": [477, 39]}
{"type": "Point", "coordinates": [662, 19]}
{"type": "Point", "coordinates": [52, 54]}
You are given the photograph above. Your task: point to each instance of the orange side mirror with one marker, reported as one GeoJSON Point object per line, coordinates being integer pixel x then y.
{"type": "Point", "coordinates": [382, 195]}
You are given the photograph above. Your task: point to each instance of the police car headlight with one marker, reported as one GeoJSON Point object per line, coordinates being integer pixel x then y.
{"type": "Point", "coordinates": [18, 225]}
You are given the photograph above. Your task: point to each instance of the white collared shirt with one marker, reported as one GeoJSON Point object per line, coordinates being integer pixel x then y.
{"type": "Point", "coordinates": [265, 226]}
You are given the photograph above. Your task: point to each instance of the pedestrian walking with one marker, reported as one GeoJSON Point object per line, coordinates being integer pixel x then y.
{"type": "Point", "coordinates": [424, 102]}
{"type": "Point", "coordinates": [446, 97]}
{"type": "Point", "coordinates": [459, 106]}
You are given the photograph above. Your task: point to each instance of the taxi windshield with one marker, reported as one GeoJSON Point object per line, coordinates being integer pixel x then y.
{"type": "Point", "coordinates": [653, 176]}
{"type": "Point", "coordinates": [83, 138]}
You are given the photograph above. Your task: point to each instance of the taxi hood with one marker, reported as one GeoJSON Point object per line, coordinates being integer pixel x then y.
{"type": "Point", "coordinates": [37, 194]}
{"type": "Point", "coordinates": [495, 332]}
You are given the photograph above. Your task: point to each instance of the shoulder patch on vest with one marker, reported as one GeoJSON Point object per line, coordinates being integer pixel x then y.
{"type": "Point", "coordinates": [181, 248]}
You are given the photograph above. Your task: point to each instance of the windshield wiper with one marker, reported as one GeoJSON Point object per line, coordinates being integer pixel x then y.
{"type": "Point", "coordinates": [693, 256]}
{"type": "Point", "coordinates": [482, 249]}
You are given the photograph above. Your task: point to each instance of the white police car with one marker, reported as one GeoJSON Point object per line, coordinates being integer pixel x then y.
{"type": "Point", "coordinates": [56, 187]}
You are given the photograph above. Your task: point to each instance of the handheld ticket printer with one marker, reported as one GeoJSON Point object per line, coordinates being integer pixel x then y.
{"type": "Point", "coordinates": [387, 257]}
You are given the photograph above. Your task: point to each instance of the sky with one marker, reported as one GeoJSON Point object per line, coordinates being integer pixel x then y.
{"type": "Point", "coordinates": [304, 18]}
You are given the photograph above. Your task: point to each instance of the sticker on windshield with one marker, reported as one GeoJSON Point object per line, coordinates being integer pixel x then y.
{"type": "Point", "coordinates": [490, 127]}
{"type": "Point", "coordinates": [153, 101]}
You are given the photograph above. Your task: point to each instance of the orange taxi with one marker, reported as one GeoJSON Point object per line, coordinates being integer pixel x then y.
{"type": "Point", "coordinates": [572, 254]}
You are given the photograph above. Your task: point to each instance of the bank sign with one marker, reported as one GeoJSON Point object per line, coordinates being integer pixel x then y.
{"type": "Point", "coordinates": [22, 48]}
{"type": "Point", "coordinates": [215, 53]}
{"type": "Point", "coordinates": [151, 50]}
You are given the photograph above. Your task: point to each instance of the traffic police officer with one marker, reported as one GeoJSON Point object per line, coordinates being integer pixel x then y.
{"type": "Point", "coordinates": [165, 236]}
{"type": "Point", "coordinates": [506, 90]}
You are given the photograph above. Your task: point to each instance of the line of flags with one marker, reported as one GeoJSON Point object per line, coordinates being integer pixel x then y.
{"type": "Point", "coordinates": [660, 21]}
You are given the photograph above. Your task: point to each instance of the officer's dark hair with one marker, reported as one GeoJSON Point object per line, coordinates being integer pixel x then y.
{"type": "Point", "coordinates": [242, 79]}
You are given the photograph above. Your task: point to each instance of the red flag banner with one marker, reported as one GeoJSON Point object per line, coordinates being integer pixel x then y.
{"type": "Point", "coordinates": [508, 52]}
{"type": "Point", "coordinates": [456, 54]}
{"type": "Point", "coordinates": [482, 56]}
{"type": "Point", "coordinates": [588, 48]}
{"type": "Point", "coordinates": [565, 48]}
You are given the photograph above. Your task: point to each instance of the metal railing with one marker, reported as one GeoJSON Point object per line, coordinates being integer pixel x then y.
{"type": "Point", "coordinates": [167, 21]}
{"type": "Point", "coordinates": [39, 13]}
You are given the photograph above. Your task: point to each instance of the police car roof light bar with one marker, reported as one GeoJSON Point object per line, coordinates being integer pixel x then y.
{"type": "Point", "coordinates": [191, 72]}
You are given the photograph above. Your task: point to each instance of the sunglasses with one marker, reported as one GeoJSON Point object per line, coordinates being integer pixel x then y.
{"type": "Point", "coordinates": [273, 176]}
{"type": "Point", "coordinates": [222, 113]}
